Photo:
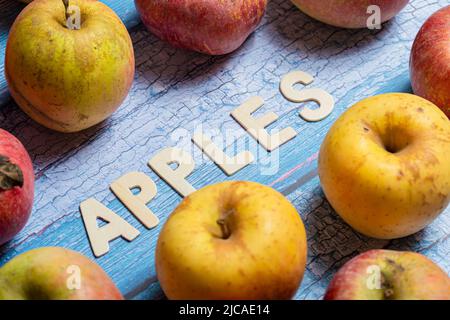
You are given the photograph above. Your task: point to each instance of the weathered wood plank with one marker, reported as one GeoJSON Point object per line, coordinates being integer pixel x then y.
{"type": "Point", "coordinates": [175, 91]}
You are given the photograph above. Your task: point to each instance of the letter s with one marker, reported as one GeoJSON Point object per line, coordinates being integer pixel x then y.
{"type": "Point", "coordinates": [323, 98]}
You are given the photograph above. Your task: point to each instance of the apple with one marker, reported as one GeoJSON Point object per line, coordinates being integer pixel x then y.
{"type": "Point", "coordinates": [384, 165]}
{"type": "Point", "coordinates": [430, 60]}
{"type": "Point", "coordinates": [349, 13]}
{"type": "Point", "coordinates": [207, 26]}
{"type": "Point", "coordinates": [67, 79]}
{"type": "Point", "coordinates": [16, 186]}
{"type": "Point", "coordinates": [54, 273]}
{"type": "Point", "coordinates": [389, 275]}
{"type": "Point", "coordinates": [232, 240]}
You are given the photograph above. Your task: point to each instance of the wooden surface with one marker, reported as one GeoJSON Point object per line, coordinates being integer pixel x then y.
{"type": "Point", "coordinates": [175, 91]}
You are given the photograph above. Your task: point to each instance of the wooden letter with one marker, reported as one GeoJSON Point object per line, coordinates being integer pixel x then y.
{"type": "Point", "coordinates": [323, 98]}
{"type": "Point", "coordinates": [176, 178]}
{"type": "Point", "coordinates": [256, 127]}
{"type": "Point", "coordinates": [99, 238]}
{"type": "Point", "coordinates": [137, 204]}
{"type": "Point", "coordinates": [229, 165]}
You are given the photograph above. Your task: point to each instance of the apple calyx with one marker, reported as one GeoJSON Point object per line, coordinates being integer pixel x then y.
{"type": "Point", "coordinates": [10, 174]}
{"type": "Point", "coordinates": [226, 233]}
{"type": "Point", "coordinates": [388, 293]}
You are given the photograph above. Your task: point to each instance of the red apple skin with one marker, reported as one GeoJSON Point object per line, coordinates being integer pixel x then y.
{"type": "Point", "coordinates": [430, 60]}
{"type": "Point", "coordinates": [44, 274]}
{"type": "Point", "coordinates": [15, 202]}
{"type": "Point", "coordinates": [207, 26]}
{"type": "Point", "coordinates": [348, 13]}
{"type": "Point", "coordinates": [407, 276]}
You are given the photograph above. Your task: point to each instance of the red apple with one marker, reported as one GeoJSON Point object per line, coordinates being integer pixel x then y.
{"type": "Point", "coordinates": [207, 26]}
{"type": "Point", "coordinates": [349, 13]}
{"type": "Point", "coordinates": [16, 186]}
{"type": "Point", "coordinates": [430, 60]}
{"type": "Point", "coordinates": [387, 274]}
{"type": "Point", "coordinates": [53, 273]}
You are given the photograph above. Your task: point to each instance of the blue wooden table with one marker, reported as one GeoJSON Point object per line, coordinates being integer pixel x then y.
{"type": "Point", "coordinates": [173, 93]}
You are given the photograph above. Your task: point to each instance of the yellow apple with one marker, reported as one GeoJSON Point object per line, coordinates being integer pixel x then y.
{"type": "Point", "coordinates": [385, 165]}
{"type": "Point", "coordinates": [232, 240]}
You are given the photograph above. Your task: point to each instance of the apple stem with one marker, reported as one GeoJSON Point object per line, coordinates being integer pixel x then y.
{"type": "Point", "coordinates": [66, 6]}
{"type": "Point", "coordinates": [224, 228]}
{"type": "Point", "coordinates": [10, 174]}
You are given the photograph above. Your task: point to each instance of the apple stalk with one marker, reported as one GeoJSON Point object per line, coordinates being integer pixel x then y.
{"type": "Point", "coordinates": [226, 233]}
{"type": "Point", "coordinates": [66, 6]}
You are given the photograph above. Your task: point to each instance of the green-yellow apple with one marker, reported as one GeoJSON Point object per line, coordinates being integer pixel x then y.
{"type": "Point", "coordinates": [349, 13]}
{"type": "Point", "coordinates": [384, 165]}
{"type": "Point", "coordinates": [68, 79]}
{"type": "Point", "coordinates": [430, 60]}
{"type": "Point", "coordinates": [16, 186]}
{"type": "Point", "coordinates": [53, 273]}
{"type": "Point", "coordinates": [389, 275]}
{"type": "Point", "coordinates": [232, 240]}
